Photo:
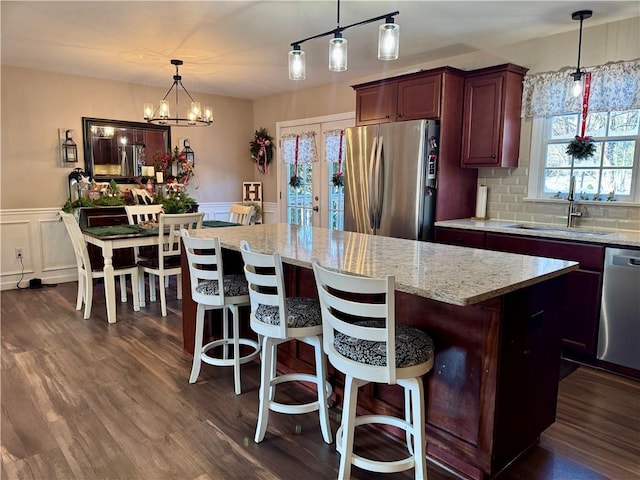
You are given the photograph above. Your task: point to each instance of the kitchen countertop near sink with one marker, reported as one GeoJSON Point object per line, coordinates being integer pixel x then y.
{"type": "Point", "coordinates": [599, 236]}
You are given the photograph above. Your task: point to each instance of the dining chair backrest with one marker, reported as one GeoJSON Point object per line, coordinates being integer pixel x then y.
{"type": "Point", "coordinates": [169, 230]}
{"type": "Point", "coordinates": [265, 276]}
{"type": "Point", "coordinates": [137, 214]}
{"type": "Point", "coordinates": [345, 297]}
{"type": "Point", "coordinates": [77, 241]}
{"type": "Point", "coordinates": [242, 214]}
{"type": "Point", "coordinates": [205, 265]}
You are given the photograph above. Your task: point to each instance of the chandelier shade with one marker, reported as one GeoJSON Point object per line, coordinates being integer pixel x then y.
{"type": "Point", "coordinates": [195, 116]}
{"type": "Point", "coordinates": [578, 75]}
{"type": "Point", "coordinates": [388, 45]}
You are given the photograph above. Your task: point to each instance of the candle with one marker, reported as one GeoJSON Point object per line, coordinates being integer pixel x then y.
{"type": "Point", "coordinates": [159, 177]}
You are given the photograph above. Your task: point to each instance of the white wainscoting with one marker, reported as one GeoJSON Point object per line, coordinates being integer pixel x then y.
{"type": "Point", "coordinates": [47, 251]}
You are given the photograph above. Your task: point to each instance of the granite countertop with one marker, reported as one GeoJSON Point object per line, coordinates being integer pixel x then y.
{"type": "Point", "coordinates": [450, 274]}
{"type": "Point", "coordinates": [591, 235]}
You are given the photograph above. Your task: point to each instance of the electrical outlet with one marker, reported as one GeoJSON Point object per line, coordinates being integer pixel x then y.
{"type": "Point", "coordinates": [19, 253]}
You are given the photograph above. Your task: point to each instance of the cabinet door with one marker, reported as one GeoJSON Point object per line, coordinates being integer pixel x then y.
{"type": "Point", "coordinates": [582, 311]}
{"type": "Point", "coordinates": [419, 98]}
{"type": "Point", "coordinates": [463, 238]}
{"type": "Point", "coordinates": [482, 121]}
{"type": "Point", "coordinates": [376, 104]}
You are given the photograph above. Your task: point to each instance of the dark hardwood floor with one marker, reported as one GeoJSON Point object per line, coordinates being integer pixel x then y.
{"type": "Point", "coordinates": [88, 400]}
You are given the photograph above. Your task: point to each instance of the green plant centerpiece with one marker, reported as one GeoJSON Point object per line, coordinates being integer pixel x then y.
{"type": "Point", "coordinates": [176, 202]}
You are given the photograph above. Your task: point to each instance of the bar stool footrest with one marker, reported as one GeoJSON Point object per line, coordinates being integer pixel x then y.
{"type": "Point", "coordinates": [379, 465]}
{"type": "Point", "coordinates": [302, 407]}
{"type": "Point", "coordinates": [228, 362]}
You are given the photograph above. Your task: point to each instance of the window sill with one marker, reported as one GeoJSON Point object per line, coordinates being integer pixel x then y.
{"type": "Point", "coordinates": [602, 203]}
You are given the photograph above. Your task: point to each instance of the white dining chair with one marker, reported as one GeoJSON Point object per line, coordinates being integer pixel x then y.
{"type": "Point", "coordinates": [363, 341]}
{"type": "Point", "coordinates": [168, 261]}
{"type": "Point", "coordinates": [140, 214]}
{"type": "Point", "coordinates": [86, 274]}
{"type": "Point", "coordinates": [242, 214]}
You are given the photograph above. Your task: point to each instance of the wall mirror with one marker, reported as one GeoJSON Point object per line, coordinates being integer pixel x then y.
{"type": "Point", "coordinates": [119, 150]}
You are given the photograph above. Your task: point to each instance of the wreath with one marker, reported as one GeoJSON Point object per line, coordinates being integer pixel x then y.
{"type": "Point", "coordinates": [261, 149]}
{"type": "Point", "coordinates": [581, 147]}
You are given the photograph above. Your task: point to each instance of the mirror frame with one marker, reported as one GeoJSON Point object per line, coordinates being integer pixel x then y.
{"type": "Point", "coordinates": [88, 122]}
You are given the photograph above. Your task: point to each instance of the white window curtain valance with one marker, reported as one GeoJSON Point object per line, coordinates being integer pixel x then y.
{"type": "Point", "coordinates": [614, 86]}
{"type": "Point", "coordinates": [335, 145]}
{"type": "Point", "coordinates": [307, 151]}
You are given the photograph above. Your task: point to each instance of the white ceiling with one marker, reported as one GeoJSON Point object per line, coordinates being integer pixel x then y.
{"type": "Point", "coordinates": [239, 48]}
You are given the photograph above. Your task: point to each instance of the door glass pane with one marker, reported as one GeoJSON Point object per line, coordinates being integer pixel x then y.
{"type": "Point", "coordinates": [336, 201]}
{"type": "Point", "coordinates": [300, 199]}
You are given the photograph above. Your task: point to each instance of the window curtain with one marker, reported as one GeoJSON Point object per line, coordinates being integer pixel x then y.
{"type": "Point", "coordinates": [306, 144]}
{"type": "Point", "coordinates": [614, 86]}
{"type": "Point", "coordinates": [335, 145]}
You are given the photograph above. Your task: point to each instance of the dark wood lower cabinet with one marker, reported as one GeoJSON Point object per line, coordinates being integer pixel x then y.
{"type": "Point", "coordinates": [104, 217]}
{"type": "Point", "coordinates": [493, 387]}
{"type": "Point", "coordinates": [581, 305]}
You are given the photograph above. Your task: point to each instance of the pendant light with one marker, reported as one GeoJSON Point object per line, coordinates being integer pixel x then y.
{"type": "Point", "coordinates": [388, 45]}
{"type": "Point", "coordinates": [579, 74]}
{"type": "Point", "coordinates": [196, 116]}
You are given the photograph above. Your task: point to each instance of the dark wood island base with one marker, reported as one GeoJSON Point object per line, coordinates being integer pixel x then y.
{"type": "Point", "coordinates": [494, 384]}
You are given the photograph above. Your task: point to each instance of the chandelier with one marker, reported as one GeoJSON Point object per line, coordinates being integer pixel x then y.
{"type": "Point", "coordinates": [578, 74]}
{"type": "Point", "coordinates": [162, 114]}
{"type": "Point", "coordinates": [388, 45]}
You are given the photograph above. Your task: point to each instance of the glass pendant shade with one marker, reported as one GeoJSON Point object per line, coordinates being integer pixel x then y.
{"type": "Point", "coordinates": [338, 54]}
{"type": "Point", "coordinates": [208, 114]}
{"type": "Point", "coordinates": [163, 109]}
{"type": "Point", "coordinates": [389, 41]}
{"type": "Point", "coordinates": [297, 67]}
{"type": "Point", "coordinates": [576, 89]}
{"type": "Point", "coordinates": [148, 111]}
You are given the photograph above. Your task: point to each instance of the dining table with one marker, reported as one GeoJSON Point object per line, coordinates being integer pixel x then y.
{"type": "Point", "coordinates": [113, 237]}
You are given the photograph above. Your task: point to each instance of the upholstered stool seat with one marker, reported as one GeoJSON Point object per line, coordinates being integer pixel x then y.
{"type": "Point", "coordinates": [279, 319]}
{"type": "Point", "coordinates": [234, 286]}
{"type": "Point", "coordinates": [413, 346]}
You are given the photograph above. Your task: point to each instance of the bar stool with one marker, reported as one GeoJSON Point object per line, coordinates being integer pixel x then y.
{"type": "Point", "coordinates": [279, 319]}
{"type": "Point", "coordinates": [206, 271]}
{"type": "Point", "coordinates": [373, 349]}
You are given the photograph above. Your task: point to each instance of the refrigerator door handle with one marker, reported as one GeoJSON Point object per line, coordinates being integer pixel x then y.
{"type": "Point", "coordinates": [372, 177]}
{"type": "Point", "coordinates": [379, 181]}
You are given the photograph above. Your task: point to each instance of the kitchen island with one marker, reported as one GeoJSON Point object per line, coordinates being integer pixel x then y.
{"type": "Point", "coordinates": [493, 317]}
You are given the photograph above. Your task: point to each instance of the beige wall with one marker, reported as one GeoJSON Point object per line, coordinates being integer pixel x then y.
{"type": "Point", "coordinates": [601, 44]}
{"type": "Point", "coordinates": [36, 103]}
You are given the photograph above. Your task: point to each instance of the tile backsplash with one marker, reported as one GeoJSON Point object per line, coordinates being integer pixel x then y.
{"type": "Point", "coordinates": [507, 187]}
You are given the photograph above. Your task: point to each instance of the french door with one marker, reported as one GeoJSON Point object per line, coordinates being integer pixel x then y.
{"type": "Point", "coordinates": [315, 200]}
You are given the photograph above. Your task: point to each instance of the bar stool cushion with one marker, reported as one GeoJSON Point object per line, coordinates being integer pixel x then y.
{"type": "Point", "coordinates": [234, 286]}
{"type": "Point", "coordinates": [413, 346]}
{"type": "Point", "coordinates": [301, 312]}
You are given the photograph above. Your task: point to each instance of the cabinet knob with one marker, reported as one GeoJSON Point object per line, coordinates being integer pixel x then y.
{"type": "Point", "coordinates": [493, 155]}
{"type": "Point", "coordinates": [386, 116]}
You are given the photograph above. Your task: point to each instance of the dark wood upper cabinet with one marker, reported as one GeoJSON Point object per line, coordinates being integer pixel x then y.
{"type": "Point", "coordinates": [491, 128]}
{"type": "Point", "coordinates": [414, 96]}
{"type": "Point", "coordinates": [376, 104]}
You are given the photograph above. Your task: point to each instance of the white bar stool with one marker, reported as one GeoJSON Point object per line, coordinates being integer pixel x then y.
{"type": "Point", "coordinates": [374, 349]}
{"type": "Point", "coordinates": [206, 271]}
{"type": "Point", "coordinates": [279, 319]}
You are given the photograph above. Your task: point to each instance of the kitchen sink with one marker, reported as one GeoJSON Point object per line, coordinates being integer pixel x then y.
{"type": "Point", "coordinates": [557, 229]}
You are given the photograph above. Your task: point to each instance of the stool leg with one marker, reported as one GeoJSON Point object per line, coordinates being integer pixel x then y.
{"type": "Point", "coordinates": [273, 373]}
{"type": "Point", "coordinates": [409, 419]}
{"type": "Point", "coordinates": [265, 387]}
{"type": "Point", "coordinates": [225, 332]}
{"type": "Point", "coordinates": [418, 416]}
{"type": "Point", "coordinates": [236, 350]}
{"type": "Point", "coordinates": [348, 426]}
{"type": "Point", "coordinates": [197, 348]}
{"type": "Point", "coordinates": [321, 379]}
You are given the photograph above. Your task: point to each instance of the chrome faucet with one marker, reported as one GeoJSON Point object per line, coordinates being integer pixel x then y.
{"type": "Point", "coordinates": [573, 212]}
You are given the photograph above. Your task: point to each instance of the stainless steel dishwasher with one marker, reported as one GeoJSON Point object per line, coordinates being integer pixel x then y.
{"type": "Point", "coordinates": [619, 335]}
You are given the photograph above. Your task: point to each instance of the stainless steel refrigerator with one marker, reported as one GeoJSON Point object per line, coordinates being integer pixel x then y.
{"type": "Point", "coordinates": [390, 179]}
